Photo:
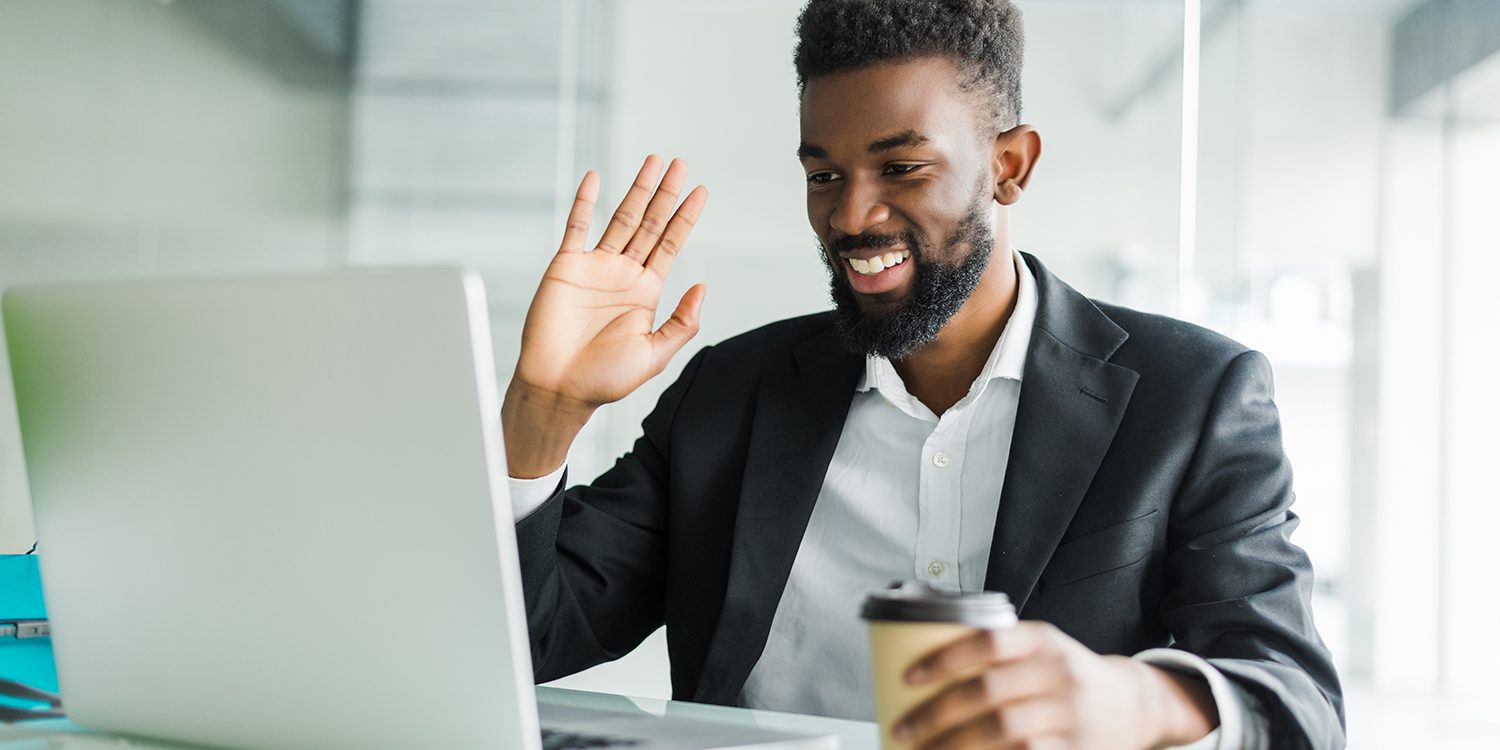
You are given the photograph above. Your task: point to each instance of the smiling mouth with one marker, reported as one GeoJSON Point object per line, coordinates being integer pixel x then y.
{"type": "Point", "coordinates": [875, 264]}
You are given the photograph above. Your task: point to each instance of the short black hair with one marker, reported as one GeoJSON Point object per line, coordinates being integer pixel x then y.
{"type": "Point", "coordinates": [982, 37]}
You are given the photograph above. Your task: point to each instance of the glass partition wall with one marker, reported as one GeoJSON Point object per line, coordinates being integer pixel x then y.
{"type": "Point", "coordinates": [160, 138]}
{"type": "Point", "coordinates": [1345, 228]}
{"type": "Point", "coordinates": [1315, 178]}
{"type": "Point", "coordinates": [1346, 179]}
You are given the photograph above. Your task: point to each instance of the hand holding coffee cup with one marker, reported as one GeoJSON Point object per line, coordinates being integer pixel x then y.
{"type": "Point", "coordinates": [953, 671]}
{"type": "Point", "coordinates": [907, 622]}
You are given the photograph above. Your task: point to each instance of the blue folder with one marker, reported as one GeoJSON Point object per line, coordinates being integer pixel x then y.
{"type": "Point", "coordinates": [27, 660]}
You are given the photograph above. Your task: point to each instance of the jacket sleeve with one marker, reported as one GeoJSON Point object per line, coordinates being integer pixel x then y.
{"type": "Point", "coordinates": [593, 558]}
{"type": "Point", "coordinates": [1238, 591]}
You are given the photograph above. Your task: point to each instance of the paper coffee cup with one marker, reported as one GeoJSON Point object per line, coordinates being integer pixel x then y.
{"type": "Point", "coordinates": [906, 622]}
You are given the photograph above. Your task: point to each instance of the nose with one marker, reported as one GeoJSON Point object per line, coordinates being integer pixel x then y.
{"type": "Point", "coordinates": [858, 208]}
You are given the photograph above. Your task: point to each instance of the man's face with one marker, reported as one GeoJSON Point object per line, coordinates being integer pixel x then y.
{"type": "Point", "coordinates": [899, 195]}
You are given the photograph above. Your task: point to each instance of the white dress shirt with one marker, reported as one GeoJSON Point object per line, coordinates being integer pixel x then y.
{"type": "Point", "coordinates": [909, 495]}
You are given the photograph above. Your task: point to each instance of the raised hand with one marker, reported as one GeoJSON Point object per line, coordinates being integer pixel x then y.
{"type": "Point", "coordinates": [588, 338]}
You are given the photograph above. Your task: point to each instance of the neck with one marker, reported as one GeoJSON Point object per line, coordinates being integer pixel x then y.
{"type": "Point", "coordinates": [940, 373]}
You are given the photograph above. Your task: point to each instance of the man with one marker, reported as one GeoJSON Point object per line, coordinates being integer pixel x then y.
{"type": "Point", "coordinates": [961, 417]}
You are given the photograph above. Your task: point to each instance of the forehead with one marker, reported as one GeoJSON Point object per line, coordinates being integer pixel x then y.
{"type": "Point", "coordinates": [852, 108]}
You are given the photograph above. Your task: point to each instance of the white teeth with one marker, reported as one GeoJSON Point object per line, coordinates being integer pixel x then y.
{"type": "Point", "coordinates": [879, 263]}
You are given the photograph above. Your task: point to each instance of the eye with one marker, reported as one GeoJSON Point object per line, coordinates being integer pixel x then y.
{"type": "Point", "coordinates": [900, 169]}
{"type": "Point", "coordinates": [821, 178]}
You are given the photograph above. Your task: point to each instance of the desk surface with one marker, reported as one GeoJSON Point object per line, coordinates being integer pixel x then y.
{"type": "Point", "coordinates": [853, 735]}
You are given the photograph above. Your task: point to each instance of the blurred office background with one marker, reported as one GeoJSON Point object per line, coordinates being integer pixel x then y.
{"type": "Point", "coordinates": [1317, 178]}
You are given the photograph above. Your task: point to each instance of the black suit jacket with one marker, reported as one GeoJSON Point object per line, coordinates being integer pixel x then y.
{"type": "Point", "coordinates": [1146, 503]}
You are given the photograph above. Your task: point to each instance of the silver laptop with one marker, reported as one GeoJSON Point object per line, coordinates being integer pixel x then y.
{"type": "Point", "coordinates": [273, 513]}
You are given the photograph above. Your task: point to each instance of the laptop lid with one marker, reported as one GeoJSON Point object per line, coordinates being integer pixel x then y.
{"type": "Point", "coordinates": [272, 511]}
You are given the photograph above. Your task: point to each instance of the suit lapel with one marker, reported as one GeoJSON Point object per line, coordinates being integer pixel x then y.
{"type": "Point", "coordinates": [1072, 400]}
{"type": "Point", "coordinates": [797, 423]}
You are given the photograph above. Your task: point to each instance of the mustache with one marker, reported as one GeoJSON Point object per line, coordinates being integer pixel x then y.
{"type": "Point", "coordinates": [874, 240]}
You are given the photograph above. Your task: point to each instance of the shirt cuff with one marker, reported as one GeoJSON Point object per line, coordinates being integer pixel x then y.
{"type": "Point", "coordinates": [526, 495]}
{"type": "Point", "coordinates": [1242, 724]}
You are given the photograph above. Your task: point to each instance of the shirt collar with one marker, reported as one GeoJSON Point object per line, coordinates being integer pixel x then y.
{"type": "Point", "coordinates": [1008, 358]}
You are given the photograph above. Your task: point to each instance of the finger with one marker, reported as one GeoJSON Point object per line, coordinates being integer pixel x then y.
{"type": "Point", "coordinates": [654, 221]}
{"type": "Point", "coordinates": [983, 646]}
{"type": "Point", "coordinates": [996, 686]}
{"type": "Point", "coordinates": [577, 228]}
{"type": "Point", "coordinates": [680, 328]}
{"type": "Point", "coordinates": [677, 231]}
{"type": "Point", "coordinates": [1026, 724]}
{"type": "Point", "coordinates": [628, 216]}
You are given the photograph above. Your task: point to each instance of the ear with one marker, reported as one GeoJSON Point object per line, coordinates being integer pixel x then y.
{"type": "Point", "coordinates": [1014, 156]}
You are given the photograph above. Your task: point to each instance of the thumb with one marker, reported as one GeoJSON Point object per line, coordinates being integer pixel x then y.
{"type": "Point", "coordinates": [679, 329]}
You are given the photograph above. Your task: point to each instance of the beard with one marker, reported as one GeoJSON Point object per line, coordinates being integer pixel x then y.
{"type": "Point", "coordinates": [938, 289]}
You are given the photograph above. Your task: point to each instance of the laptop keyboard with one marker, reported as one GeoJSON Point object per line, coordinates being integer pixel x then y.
{"type": "Point", "coordinates": [553, 739]}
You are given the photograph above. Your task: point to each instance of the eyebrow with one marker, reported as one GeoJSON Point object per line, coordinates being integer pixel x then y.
{"type": "Point", "coordinates": [905, 138]}
{"type": "Point", "coordinates": [807, 151]}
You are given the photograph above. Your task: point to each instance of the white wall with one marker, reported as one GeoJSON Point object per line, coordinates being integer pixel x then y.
{"type": "Point", "coordinates": [1101, 209]}
{"type": "Point", "coordinates": [1471, 511]}
{"type": "Point", "coordinates": [712, 83]}
{"type": "Point", "coordinates": [1313, 97]}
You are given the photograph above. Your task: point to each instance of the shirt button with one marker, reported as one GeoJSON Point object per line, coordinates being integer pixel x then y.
{"type": "Point", "coordinates": [940, 459]}
{"type": "Point", "coordinates": [936, 568]}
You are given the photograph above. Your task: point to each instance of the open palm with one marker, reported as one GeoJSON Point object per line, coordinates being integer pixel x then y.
{"type": "Point", "coordinates": [589, 335]}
